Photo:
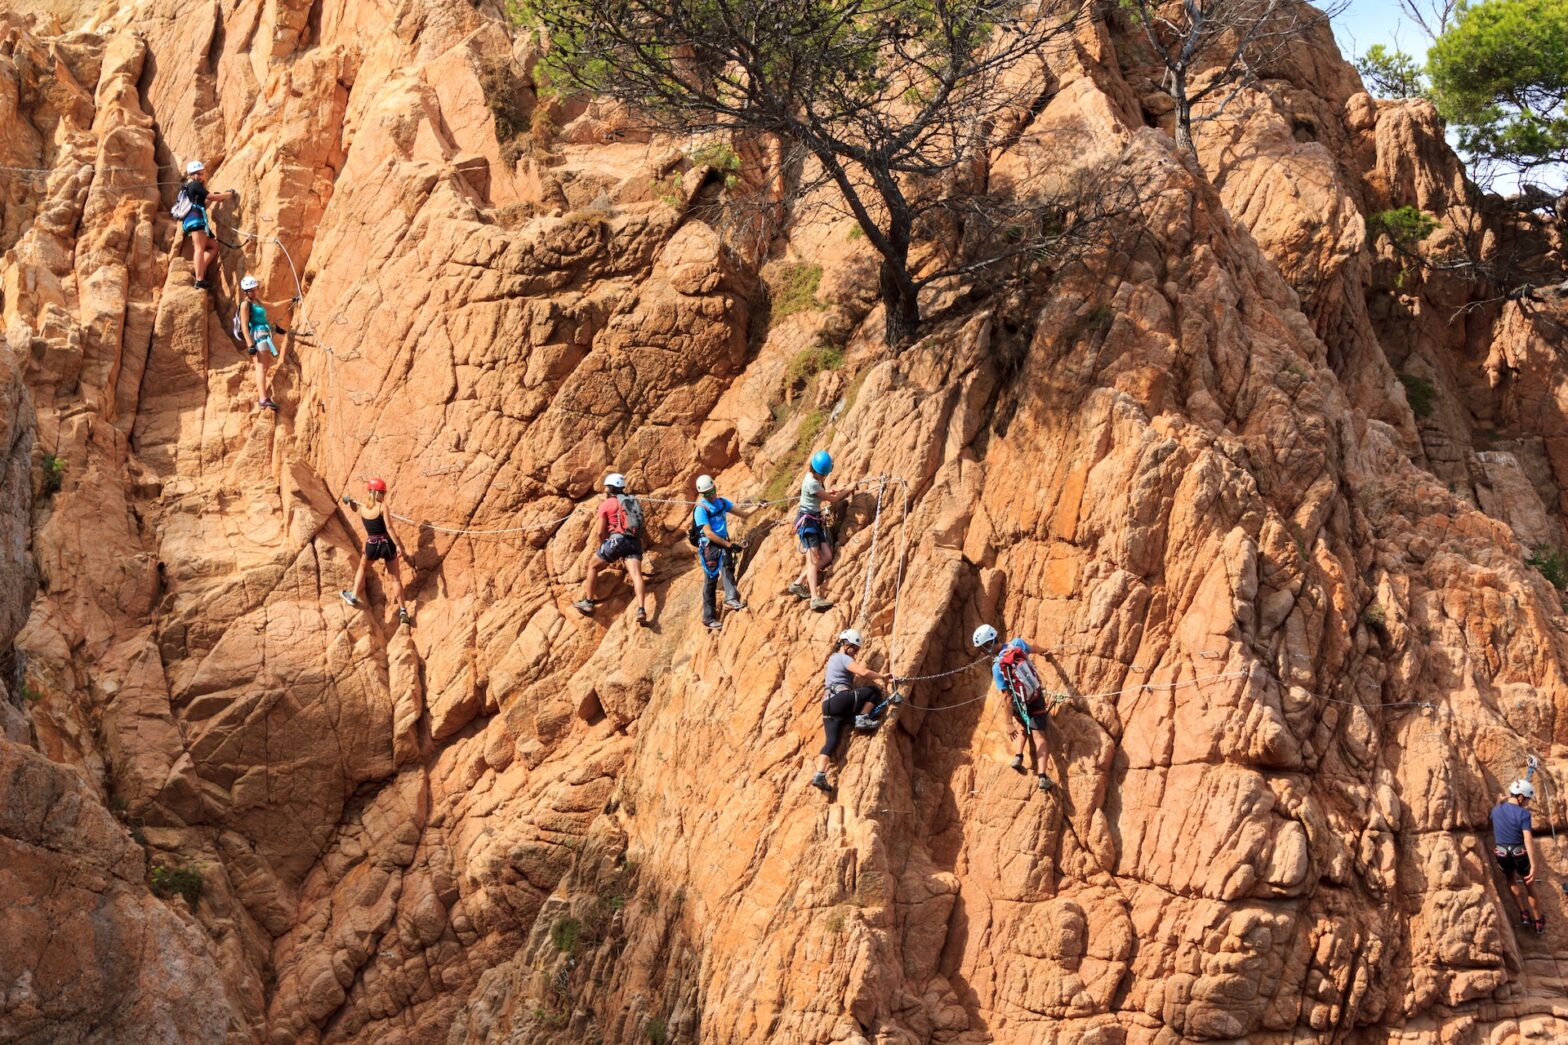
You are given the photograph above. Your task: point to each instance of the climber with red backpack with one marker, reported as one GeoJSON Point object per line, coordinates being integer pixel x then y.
{"type": "Point", "coordinates": [379, 545]}
{"type": "Point", "coordinates": [1014, 674]}
{"type": "Point", "coordinates": [617, 537]}
{"type": "Point", "coordinates": [1513, 843]}
{"type": "Point", "coordinates": [190, 210]}
{"type": "Point", "coordinates": [716, 549]}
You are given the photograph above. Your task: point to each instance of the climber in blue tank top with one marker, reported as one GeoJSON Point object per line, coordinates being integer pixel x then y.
{"type": "Point", "coordinates": [1013, 673]}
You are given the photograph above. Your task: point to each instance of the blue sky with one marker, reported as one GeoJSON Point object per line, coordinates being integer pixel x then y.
{"type": "Point", "coordinates": [1368, 22]}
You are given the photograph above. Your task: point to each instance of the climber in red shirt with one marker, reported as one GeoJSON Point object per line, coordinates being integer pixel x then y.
{"type": "Point", "coordinates": [617, 536]}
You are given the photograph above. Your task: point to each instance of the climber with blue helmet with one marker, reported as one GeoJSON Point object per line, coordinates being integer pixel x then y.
{"type": "Point", "coordinates": [845, 703]}
{"type": "Point", "coordinates": [1014, 675]}
{"type": "Point", "coordinates": [813, 532]}
{"type": "Point", "coordinates": [1513, 844]}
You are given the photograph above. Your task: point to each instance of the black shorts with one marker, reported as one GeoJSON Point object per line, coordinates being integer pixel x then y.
{"type": "Point", "coordinates": [1513, 860]}
{"type": "Point", "coordinates": [1035, 716]}
{"type": "Point", "coordinates": [620, 546]}
{"type": "Point", "coordinates": [380, 548]}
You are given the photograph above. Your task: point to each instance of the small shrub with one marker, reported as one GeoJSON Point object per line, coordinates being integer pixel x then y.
{"type": "Point", "coordinates": [656, 1031]}
{"type": "Point", "coordinates": [1095, 321]}
{"type": "Point", "coordinates": [721, 158]}
{"type": "Point", "coordinates": [1405, 226]}
{"type": "Point", "coordinates": [1375, 615]}
{"type": "Point", "coordinates": [667, 190]}
{"type": "Point", "coordinates": [1420, 392]}
{"type": "Point", "coordinates": [585, 216]}
{"type": "Point", "coordinates": [836, 923]}
{"type": "Point", "coordinates": [793, 287]}
{"type": "Point", "coordinates": [31, 694]}
{"type": "Point", "coordinates": [565, 934]}
{"type": "Point", "coordinates": [856, 232]}
{"type": "Point", "coordinates": [1552, 564]}
{"type": "Point", "coordinates": [176, 881]}
{"type": "Point", "coordinates": [809, 362]}
{"type": "Point", "coordinates": [54, 474]}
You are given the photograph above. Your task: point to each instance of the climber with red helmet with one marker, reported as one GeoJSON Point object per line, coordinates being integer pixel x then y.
{"type": "Point", "coordinates": [1513, 843]}
{"type": "Point", "coordinates": [844, 703]}
{"type": "Point", "coordinates": [617, 537]}
{"type": "Point", "coordinates": [190, 209]}
{"type": "Point", "coordinates": [379, 545]}
{"type": "Point", "coordinates": [1013, 674]}
{"type": "Point", "coordinates": [813, 532]}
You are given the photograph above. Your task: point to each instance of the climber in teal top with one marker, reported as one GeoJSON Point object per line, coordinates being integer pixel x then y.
{"type": "Point", "coordinates": [1513, 843]}
{"type": "Point", "coordinates": [254, 328]}
{"type": "Point", "coordinates": [813, 531]}
{"type": "Point", "coordinates": [1014, 675]}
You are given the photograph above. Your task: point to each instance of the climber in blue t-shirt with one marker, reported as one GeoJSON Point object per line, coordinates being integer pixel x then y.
{"type": "Point", "coordinates": [1014, 674]}
{"type": "Point", "coordinates": [1513, 843]}
{"type": "Point", "coordinates": [716, 549]}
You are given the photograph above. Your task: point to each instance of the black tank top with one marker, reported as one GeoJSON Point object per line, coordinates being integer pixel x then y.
{"type": "Point", "coordinates": [376, 527]}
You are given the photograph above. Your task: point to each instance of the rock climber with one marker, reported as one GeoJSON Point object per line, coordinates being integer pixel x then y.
{"type": "Point", "coordinates": [1014, 675]}
{"type": "Point", "coordinates": [1513, 843]}
{"type": "Point", "coordinates": [195, 222]}
{"type": "Point", "coordinates": [256, 331]}
{"type": "Point", "coordinates": [813, 532]}
{"type": "Point", "coordinates": [717, 548]}
{"type": "Point", "coordinates": [378, 545]}
{"type": "Point", "coordinates": [845, 703]}
{"type": "Point", "coordinates": [617, 537]}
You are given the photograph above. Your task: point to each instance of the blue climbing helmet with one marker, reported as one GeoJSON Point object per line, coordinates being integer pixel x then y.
{"type": "Point", "coordinates": [822, 462]}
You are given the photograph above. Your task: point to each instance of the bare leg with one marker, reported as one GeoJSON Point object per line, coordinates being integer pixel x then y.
{"type": "Point", "coordinates": [199, 254]}
{"type": "Point", "coordinates": [634, 571]}
{"type": "Point", "coordinates": [261, 378]}
{"type": "Point", "coordinates": [397, 580]}
{"type": "Point", "coordinates": [1041, 753]}
{"type": "Point", "coordinates": [359, 579]}
{"type": "Point", "coordinates": [594, 566]}
{"type": "Point", "coordinates": [812, 582]}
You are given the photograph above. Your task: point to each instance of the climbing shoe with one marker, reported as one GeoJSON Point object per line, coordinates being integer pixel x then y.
{"type": "Point", "coordinates": [1525, 920]}
{"type": "Point", "coordinates": [734, 604]}
{"type": "Point", "coordinates": [712, 625]}
{"type": "Point", "coordinates": [821, 605]}
{"type": "Point", "coordinates": [348, 597]}
{"type": "Point", "coordinates": [799, 590]}
{"type": "Point", "coordinates": [867, 723]}
{"type": "Point", "coordinates": [403, 617]}
{"type": "Point", "coordinates": [584, 606]}
{"type": "Point", "coordinates": [200, 284]}
{"type": "Point", "coordinates": [1017, 763]}
{"type": "Point", "coordinates": [1540, 927]}
{"type": "Point", "coordinates": [1044, 782]}
{"type": "Point", "coordinates": [267, 404]}
{"type": "Point", "coordinates": [642, 617]}
{"type": "Point", "coordinates": [820, 782]}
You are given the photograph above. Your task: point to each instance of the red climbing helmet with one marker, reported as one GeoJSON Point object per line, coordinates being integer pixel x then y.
{"type": "Point", "coordinates": [379, 485]}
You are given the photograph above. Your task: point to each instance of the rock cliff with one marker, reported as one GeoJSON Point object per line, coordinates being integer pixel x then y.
{"type": "Point", "coordinates": [1283, 510]}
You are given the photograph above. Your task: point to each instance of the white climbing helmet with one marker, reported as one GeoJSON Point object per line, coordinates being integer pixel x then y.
{"type": "Point", "coordinates": [249, 283]}
{"type": "Point", "coordinates": [984, 635]}
{"type": "Point", "coordinates": [1522, 789]}
{"type": "Point", "coordinates": [704, 484]}
{"type": "Point", "coordinates": [851, 636]}
{"type": "Point", "coordinates": [615, 479]}
{"type": "Point", "coordinates": [195, 167]}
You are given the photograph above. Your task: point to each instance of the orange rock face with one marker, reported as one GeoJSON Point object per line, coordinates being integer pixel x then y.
{"type": "Point", "coordinates": [1263, 500]}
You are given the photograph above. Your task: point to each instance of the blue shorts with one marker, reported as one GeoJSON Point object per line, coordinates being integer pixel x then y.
{"type": "Point", "coordinates": [810, 533]}
{"type": "Point", "coordinates": [263, 340]}
{"type": "Point", "coordinates": [195, 221]}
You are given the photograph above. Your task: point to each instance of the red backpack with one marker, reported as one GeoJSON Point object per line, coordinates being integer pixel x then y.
{"type": "Point", "coordinates": [1019, 674]}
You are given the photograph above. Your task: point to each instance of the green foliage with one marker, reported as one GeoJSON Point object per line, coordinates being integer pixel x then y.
{"type": "Point", "coordinates": [54, 474]}
{"type": "Point", "coordinates": [177, 881]}
{"type": "Point", "coordinates": [1500, 78]}
{"type": "Point", "coordinates": [1552, 564]}
{"type": "Point", "coordinates": [1095, 321]}
{"type": "Point", "coordinates": [1419, 392]}
{"type": "Point", "coordinates": [809, 362]}
{"type": "Point", "coordinates": [790, 467]}
{"type": "Point", "coordinates": [722, 158]}
{"type": "Point", "coordinates": [793, 287]}
{"type": "Point", "coordinates": [656, 1031]}
{"type": "Point", "coordinates": [556, 1020]}
{"type": "Point", "coordinates": [565, 934]}
{"type": "Point", "coordinates": [1375, 615]}
{"type": "Point", "coordinates": [1391, 74]}
{"type": "Point", "coordinates": [835, 923]}
{"type": "Point", "coordinates": [1406, 226]}
{"type": "Point", "coordinates": [30, 694]}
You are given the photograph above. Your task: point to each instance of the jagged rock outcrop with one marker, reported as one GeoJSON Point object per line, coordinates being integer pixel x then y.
{"type": "Point", "coordinates": [1265, 501]}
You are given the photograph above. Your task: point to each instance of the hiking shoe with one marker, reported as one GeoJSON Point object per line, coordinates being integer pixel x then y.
{"type": "Point", "coordinates": [712, 625]}
{"type": "Point", "coordinates": [821, 604]}
{"type": "Point", "coordinates": [734, 604]}
{"type": "Point", "coordinates": [348, 597]}
{"type": "Point", "coordinates": [1017, 763]}
{"type": "Point", "coordinates": [799, 590]}
{"type": "Point", "coordinates": [200, 284]}
{"type": "Point", "coordinates": [820, 782]}
{"type": "Point", "coordinates": [1044, 782]}
{"type": "Point", "coordinates": [642, 617]}
{"type": "Point", "coordinates": [1526, 921]}
{"type": "Point", "coordinates": [403, 617]}
{"type": "Point", "coordinates": [1540, 927]}
{"type": "Point", "coordinates": [867, 723]}
{"type": "Point", "coordinates": [584, 606]}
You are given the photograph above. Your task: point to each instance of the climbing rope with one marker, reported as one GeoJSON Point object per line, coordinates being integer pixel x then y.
{"type": "Point", "coordinates": [871, 556]}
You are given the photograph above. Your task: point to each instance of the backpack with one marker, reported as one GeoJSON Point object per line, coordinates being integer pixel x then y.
{"type": "Point", "coordinates": [182, 205]}
{"type": "Point", "coordinates": [1019, 674]}
{"type": "Point", "coordinates": [633, 513]}
{"type": "Point", "coordinates": [235, 327]}
{"type": "Point", "coordinates": [694, 531]}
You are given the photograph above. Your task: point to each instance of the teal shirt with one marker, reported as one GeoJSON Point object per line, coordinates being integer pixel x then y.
{"type": "Point", "coordinates": [256, 318]}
